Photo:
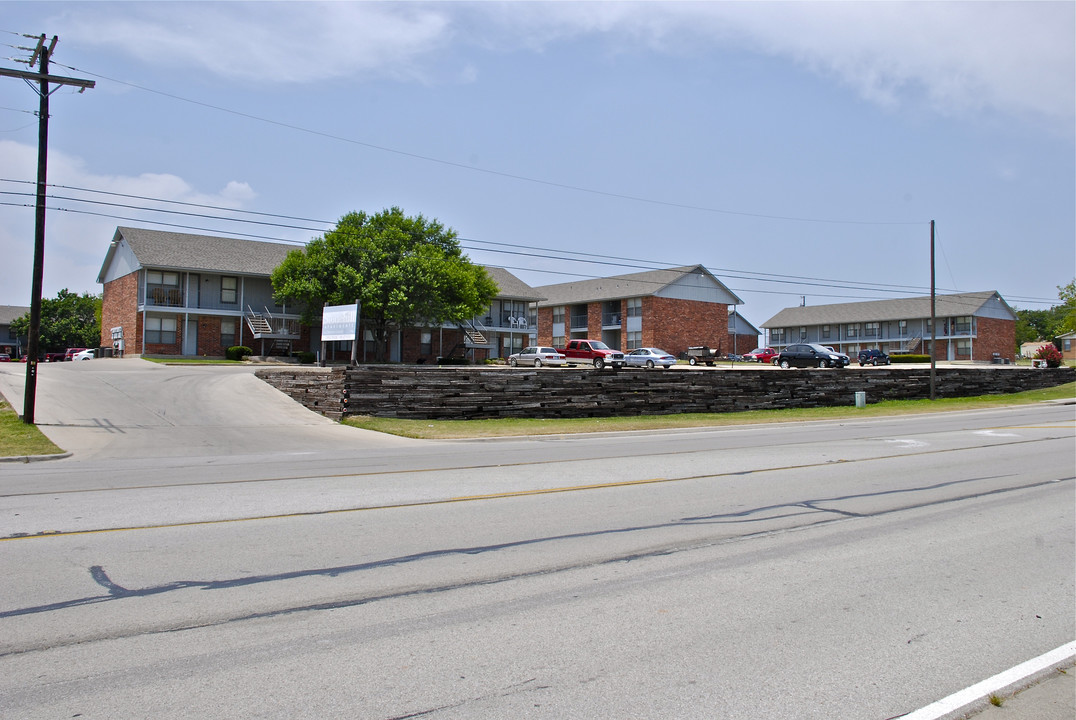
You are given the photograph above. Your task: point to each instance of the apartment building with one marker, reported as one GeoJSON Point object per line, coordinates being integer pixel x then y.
{"type": "Point", "coordinates": [978, 326]}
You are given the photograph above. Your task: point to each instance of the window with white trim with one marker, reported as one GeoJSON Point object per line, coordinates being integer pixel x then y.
{"type": "Point", "coordinates": [161, 330]}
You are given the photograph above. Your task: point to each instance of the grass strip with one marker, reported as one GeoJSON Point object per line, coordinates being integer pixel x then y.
{"type": "Point", "coordinates": [513, 427]}
{"type": "Point", "coordinates": [17, 439]}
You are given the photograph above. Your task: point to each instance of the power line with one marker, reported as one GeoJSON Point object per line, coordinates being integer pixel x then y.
{"type": "Point", "coordinates": [516, 249]}
{"type": "Point", "coordinates": [487, 171]}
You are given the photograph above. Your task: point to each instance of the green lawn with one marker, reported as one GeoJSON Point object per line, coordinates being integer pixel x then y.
{"type": "Point", "coordinates": [507, 427]}
{"type": "Point", "coordinates": [18, 439]}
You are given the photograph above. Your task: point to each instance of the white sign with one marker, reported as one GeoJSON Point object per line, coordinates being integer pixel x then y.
{"type": "Point", "coordinates": [338, 322]}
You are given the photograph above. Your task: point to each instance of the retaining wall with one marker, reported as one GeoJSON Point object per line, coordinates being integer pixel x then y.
{"type": "Point", "coordinates": [467, 393]}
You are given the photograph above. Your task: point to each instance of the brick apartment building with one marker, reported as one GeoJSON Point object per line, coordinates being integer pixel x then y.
{"type": "Point", "coordinates": [671, 309]}
{"type": "Point", "coordinates": [977, 326]}
{"type": "Point", "coordinates": [178, 294]}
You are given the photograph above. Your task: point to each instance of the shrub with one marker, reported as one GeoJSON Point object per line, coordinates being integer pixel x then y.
{"type": "Point", "coordinates": [306, 357]}
{"type": "Point", "coordinates": [238, 352]}
{"type": "Point", "coordinates": [909, 358]}
{"type": "Point", "coordinates": [1050, 354]}
{"type": "Point", "coordinates": [453, 361]}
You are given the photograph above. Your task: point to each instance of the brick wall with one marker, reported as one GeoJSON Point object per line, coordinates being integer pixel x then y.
{"type": "Point", "coordinates": [675, 325]}
{"type": "Point", "coordinates": [994, 336]}
{"type": "Point", "coordinates": [119, 308]}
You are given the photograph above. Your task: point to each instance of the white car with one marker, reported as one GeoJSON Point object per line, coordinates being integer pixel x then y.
{"type": "Point", "coordinates": [536, 356]}
{"type": "Point", "coordinates": [89, 354]}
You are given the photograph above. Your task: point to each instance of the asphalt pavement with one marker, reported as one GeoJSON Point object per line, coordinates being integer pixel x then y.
{"type": "Point", "coordinates": [113, 408]}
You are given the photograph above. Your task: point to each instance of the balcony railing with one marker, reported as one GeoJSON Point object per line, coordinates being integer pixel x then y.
{"type": "Point", "coordinates": [579, 321]}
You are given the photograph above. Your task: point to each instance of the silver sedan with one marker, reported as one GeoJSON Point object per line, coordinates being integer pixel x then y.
{"type": "Point", "coordinates": [649, 357]}
{"type": "Point", "coordinates": [536, 356]}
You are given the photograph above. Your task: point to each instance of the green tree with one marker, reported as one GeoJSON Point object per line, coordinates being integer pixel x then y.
{"type": "Point", "coordinates": [405, 271]}
{"type": "Point", "coordinates": [68, 320]}
{"type": "Point", "coordinates": [1067, 295]}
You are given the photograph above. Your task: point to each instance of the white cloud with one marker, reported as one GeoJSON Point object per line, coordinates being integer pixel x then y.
{"type": "Point", "coordinates": [75, 243]}
{"type": "Point", "coordinates": [266, 42]}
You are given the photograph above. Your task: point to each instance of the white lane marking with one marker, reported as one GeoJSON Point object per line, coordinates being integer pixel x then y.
{"type": "Point", "coordinates": [960, 702]}
{"type": "Point", "coordinates": [995, 433]}
{"type": "Point", "coordinates": [907, 442]}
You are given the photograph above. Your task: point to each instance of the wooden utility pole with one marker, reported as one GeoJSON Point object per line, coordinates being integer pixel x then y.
{"type": "Point", "coordinates": [41, 59]}
{"type": "Point", "coordinates": [933, 319]}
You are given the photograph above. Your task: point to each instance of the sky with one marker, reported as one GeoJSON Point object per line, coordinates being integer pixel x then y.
{"type": "Point", "coordinates": [797, 150]}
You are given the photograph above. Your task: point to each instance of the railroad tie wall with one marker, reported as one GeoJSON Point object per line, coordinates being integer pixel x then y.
{"type": "Point", "coordinates": [465, 393]}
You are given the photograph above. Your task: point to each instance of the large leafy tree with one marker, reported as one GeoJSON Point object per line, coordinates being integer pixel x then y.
{"type": "Point", "coordinates": [404, 270]}
{"type": "Point", "coordinates": [1032, 325]}
{"type": "Point", "coordinates": [68, 320]}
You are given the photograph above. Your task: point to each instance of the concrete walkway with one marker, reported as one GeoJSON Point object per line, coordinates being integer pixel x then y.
{"type": "Point", "coordinates": [112, 408]}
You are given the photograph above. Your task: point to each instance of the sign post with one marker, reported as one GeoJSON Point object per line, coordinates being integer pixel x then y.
{"type": "Point", "coordinates": [341, 322]}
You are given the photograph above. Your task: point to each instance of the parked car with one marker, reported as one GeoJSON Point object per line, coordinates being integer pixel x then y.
{"type": "Point", "coordinates": [4, 357]}
{"type": "Point", "coordinates": [70, 354]}
{"type": "Point", "coordinates": [872, 357]}
{"type": "Point", "coordinates": [649, 357]}
{"type": "Point", "coordinates": [55, 356]}
{"type": "Point", "coordinates": [762, 355]}
{"type": "Point", "coordinates": [536, 356]}
{"type": "Point", "coordinates": [593, 352]}
{"type": "Point", "coordinates": [88, 354]}
{"type": "Point", "coordinates": [810, 355]}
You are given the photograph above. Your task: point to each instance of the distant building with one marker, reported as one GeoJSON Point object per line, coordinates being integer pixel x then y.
{"type": "Point", "coordinates": [671, 309]}
{"type": "Point", "coordinates": [10, 343]}
{"type": "Point", "coordinates": [1068, 345]}
{"type": "Point", "coordinates": [743, 336]}
{"type": "Point", "coordinates": [971, 326]}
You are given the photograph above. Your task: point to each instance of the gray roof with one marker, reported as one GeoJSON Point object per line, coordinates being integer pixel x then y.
{"type": "Point", "coordinates": [956, 305]}
{"type": "Point", "coordinates": [511, 286]}
{"type": "Point", "coordinates": [618, 287]}
{"type": "Point", "coordinates": [181, 251]}
{"type": "Point", "coordinates": [11, 312]}
{"type": "Point", "coordinates": [210, 253]}
{"type": "Point", "coordinates": [739, 324]}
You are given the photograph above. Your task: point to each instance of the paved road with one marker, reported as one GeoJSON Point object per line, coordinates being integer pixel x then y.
{"type": "Point", "coordinates": [813, 570]}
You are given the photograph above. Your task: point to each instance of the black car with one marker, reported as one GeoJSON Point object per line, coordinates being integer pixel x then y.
{"type": "Point", "coordinates": [810, 355]}
{"type": "Point", "coordinates": [872, 357]}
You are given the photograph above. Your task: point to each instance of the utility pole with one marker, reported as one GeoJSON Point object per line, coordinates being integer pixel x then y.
{"type": "Point", "coordinates": [42, 78]}
{"type": "Point", "coordinates": [933, 319]}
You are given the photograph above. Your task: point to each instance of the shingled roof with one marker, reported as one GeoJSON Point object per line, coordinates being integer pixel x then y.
{"type": "Point", "coordinates": [235, 256]}
{"type": "Point", "coordinates": [956, 305]}
{"type": "Point", "coordinates": [209, 253]}
{"type": "Point", "coordinates": [639, 284]}
{"type": "Point", "coordinates": [8, 313]}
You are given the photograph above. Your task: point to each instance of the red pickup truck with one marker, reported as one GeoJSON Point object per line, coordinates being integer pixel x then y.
{"type": "Point", "coordinates": [592, 352]}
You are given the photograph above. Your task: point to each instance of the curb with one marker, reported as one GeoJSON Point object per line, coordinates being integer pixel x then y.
{"type": "Point", "coordinates": [34, 458]}
{"type": "Point", "coordinates": [970, 700]}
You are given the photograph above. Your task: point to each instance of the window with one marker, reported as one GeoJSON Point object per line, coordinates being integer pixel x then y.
{"type": "Point", "coordinates": [161, 330]}
{"type": "Point", "coordinates": [902, 327]}
{"type": "Point", "coordinates": [425, 343]}
{"type": "Point", "coordinates": [227, 332]}
{"type": "Point", "coordinates": [963, 348]}
{"type": "Point", "coordinates": [558, 341]}
{"type": "Point", "coordinates": [777, 335]}
{"type": "Point", "coordinates": [162, 288]}
{"type": "Point", "coordinates": [803, 333]}
{"type": "Point", "coordinates": [558, 314]}
{"type": "Point", "coordinates": [635, 307]}
{"type": "Point", "coordinates": [825, 331]}
{"type": "Point", "coordinates": [229, 290]}
{"type": "Point", "coordinates": [962, 325]}
{"type": "Point", "coordinates": [871, 329]}
{"type": "Point", "coordinates": [634, 339]}
{"type": "Point", "coordinates": [852, 331]}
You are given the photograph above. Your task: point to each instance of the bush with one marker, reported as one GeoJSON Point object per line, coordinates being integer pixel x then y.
{"type": "Point", "coordinates": [1050, 354]}
{"type": "Point", "coordinates": [238, 352]}
{"type": "Point", "coordinates": [306, 357]}
{"type": "Point", "coordinates": [909, 358]}
{"type": "Point", "coordinates": [453, 361]}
